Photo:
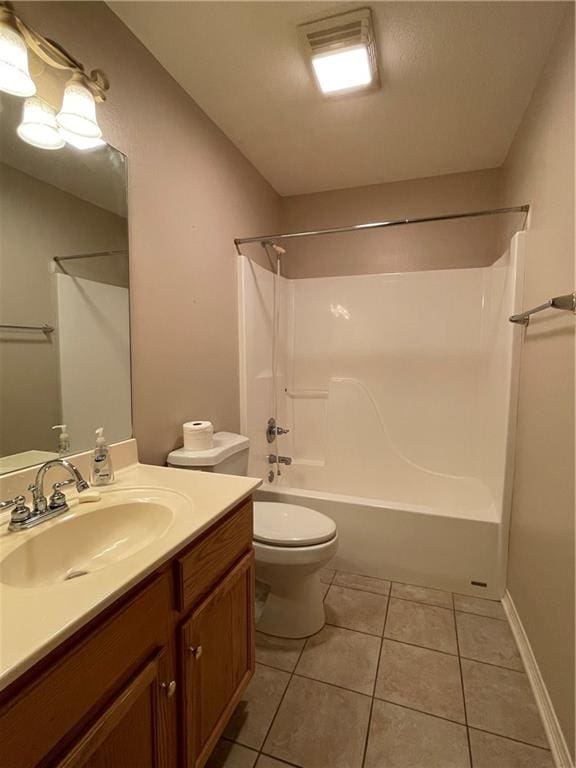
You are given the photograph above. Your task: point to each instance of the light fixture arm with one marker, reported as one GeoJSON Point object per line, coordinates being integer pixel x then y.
{"type": "Point", "coordinates": [55, 55]}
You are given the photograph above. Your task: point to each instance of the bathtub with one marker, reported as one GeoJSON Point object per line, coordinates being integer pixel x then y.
{"type": "Point", "coordinates": [414, 544]}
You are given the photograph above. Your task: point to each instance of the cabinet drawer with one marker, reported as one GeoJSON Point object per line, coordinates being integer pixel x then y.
{"type": "Point", "coordinates": [213, 556]}
{"type": "Point", "coordinates": [49, 711]}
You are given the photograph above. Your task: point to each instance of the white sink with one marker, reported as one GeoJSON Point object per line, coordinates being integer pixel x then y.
{"type": "Point", "coordinates": [86, 540]}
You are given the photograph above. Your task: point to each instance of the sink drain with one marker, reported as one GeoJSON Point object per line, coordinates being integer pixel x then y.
{"type": "Point", "coordinates": [74, 574]}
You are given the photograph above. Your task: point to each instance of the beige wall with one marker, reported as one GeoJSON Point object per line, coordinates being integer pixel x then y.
{"type": "Point", "coordinates": [190, 193]}
{"type": "Point", "coordinates": [38, 222]}
{"type": "Point", "coordinates": [540, 170]}
{"type": "Point", "coordinates": [440, 245]}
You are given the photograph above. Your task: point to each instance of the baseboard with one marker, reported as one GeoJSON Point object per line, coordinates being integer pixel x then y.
{"type": "Point", "coordinates": [558, 746]}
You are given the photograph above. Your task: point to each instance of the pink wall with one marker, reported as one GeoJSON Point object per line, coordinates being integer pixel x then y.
{"type": "Point", "coordinates": [469, 243]}
{"type": "Point", "coordinates": [540, 169]}
{"type": "Point", "coordinates": [190, 193]}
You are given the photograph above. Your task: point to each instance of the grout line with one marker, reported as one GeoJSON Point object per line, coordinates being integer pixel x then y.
{"type": "Point", "coordinates": [331, 685]}
{"type": "Point", "coordinates": [462, 686]}
{"type": "Point", "coordinates": [492, 664]}
{"type": "Point", "coordinates": [281, 700]}
{"type": "Point", "coordinates": [421, 711]}
{"type": "Point", "coordinates": [359, 589]}
{"type": "Point", "coordinates": [420, 602]}
{"type": "Point", "coordinates": [278, 760]}
{"type": "Point", "coordinates": [510, 738]}
{"type": "Point", "coordinates": [367, 738]}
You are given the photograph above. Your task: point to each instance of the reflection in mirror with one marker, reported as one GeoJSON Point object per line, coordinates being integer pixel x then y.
{"type": "Point", "coordinates": [64, 296]}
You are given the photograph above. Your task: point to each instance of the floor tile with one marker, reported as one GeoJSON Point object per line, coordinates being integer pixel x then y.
{"type": "Point", "coordinates": [278, 652]}
{"type": "Point", "coordinates": [226, 754]}
{"type": "Point", "coordinates": [320, 726]}
{"type": "Point", "coordinates": [425, 625]}
{"type": "Point", "coordinates": [422, 595]}
{"type": "Point", "coordinates": [366, 583]}
{"type": "Point", "coordinates": [401, 738]}
{"type": "Point", "coordinates": [324, 588]}
{"type": "Point", "coordinates": [327, 575]}
{"type": "Point", "coordinates": [501, 701]}
{"type": "Point", "coordinates": [350, 608]}
{"type": "Point", "coordinates": [489, 751]}
{"type": "Point", "coordinates": [422, 679]}
{"type": "Point", "coordinates": [253, 715]}
{"type": "Point", "coordinates": [342, 657]}
{"type": "Point", "coordinates": [490, 640]}
{"type": "Point", "coordinates": [480, 606]}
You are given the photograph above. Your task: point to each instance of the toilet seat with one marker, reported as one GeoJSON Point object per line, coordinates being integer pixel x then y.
{"type": "Point", "coordinates": [288, 525]}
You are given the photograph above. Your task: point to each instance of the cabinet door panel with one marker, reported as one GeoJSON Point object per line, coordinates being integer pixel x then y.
{"type": "Point", "coordinates": [218, 660]}
{"type": "Point", "coordinates": [126, 734]}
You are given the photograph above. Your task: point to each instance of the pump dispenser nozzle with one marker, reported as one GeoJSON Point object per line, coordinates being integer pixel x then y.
{"type": "Point", "coordinates": [63, 439]}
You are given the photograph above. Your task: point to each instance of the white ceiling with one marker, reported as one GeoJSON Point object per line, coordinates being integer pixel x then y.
{"type": "Point", "coordinates": [456, 79]}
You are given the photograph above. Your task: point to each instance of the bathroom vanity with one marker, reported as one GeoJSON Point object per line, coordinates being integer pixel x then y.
{"type": "Point", "coordinates": [141, 660]}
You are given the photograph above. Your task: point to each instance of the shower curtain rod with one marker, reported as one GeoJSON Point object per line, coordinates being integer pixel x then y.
{"type": "Point", "coordinates": [377, 225]}
{"type": "Point", "coordinates": [89, 255]}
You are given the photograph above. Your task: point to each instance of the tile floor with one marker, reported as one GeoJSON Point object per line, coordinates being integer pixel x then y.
{"type": "Point", "coordinates": [400, 677]}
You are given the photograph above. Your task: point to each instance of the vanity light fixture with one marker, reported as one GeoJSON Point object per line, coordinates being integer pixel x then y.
{"type": "Point", "coordinates": [342, 52]}
{"type": "Point", "coordinates": [76, 122]}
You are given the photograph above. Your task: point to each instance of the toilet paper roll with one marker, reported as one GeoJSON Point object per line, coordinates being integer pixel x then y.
{"type": "Point", "coordinates": [197, 435]}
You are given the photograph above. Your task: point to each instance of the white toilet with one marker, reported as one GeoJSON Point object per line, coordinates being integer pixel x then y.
{"type": "Point", "coordinates": [291, 544]}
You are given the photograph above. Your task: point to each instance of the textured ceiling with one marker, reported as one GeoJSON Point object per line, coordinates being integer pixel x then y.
{"type": "Point", "coordinates": [456, 79]}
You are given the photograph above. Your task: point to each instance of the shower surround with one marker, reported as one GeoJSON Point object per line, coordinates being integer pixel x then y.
{"type": "Point", "coordinates": [399, 391]}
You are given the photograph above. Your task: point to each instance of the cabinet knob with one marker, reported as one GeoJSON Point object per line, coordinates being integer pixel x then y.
{"type": "Point", "coordinates": [169, 688]}
{"type": "Point", "coordinates": [196, 651]}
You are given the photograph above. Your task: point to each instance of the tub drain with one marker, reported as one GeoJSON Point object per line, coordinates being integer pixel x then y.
{"type": "Point", "coordinates": [74, 574]}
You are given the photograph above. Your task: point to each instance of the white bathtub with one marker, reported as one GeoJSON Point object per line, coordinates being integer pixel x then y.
{"type": "Point", "coordinates": [409, 543]}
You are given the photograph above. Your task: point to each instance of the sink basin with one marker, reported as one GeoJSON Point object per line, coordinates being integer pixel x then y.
{"type": "Point", "coordinates": [82, 542]}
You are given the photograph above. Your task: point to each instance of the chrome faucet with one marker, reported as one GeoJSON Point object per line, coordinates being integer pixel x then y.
{"type": "Point", "coordinates": [43, 509]}
{"type": "Point", "coordinates": [273, 459]}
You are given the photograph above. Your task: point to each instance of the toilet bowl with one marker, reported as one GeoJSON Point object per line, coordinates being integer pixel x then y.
{"type": "Point", "coordinates": [291, 544]}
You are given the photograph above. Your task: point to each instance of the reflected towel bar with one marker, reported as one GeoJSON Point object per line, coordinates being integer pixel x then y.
{"type": "Point", "coordinates": [44, 328]}
{"type": "Point", "coordinates": [566, 303]}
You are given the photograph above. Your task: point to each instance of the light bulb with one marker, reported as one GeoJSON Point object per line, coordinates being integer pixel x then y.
{"type": "Point", "coordinates": [78, 113]}
{"type": "Point", "coordinates": [14, 74]}
{"type": "Point", "coordinates": [38, 126]}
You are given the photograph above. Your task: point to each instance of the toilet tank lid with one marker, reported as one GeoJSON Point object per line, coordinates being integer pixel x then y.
{"type": "Point", "coordinates": [224, 445]}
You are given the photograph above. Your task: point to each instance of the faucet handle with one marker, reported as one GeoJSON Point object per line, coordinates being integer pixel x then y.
{"type": "Point", "coordinates": [20, 512]}
{"type": "Point", "coordinates": [58, 499]}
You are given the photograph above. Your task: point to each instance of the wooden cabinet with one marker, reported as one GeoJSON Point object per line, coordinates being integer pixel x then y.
{"type": "Point", "coordinates": [217, 646]}
{"type": "Point", "coordinates": [128, 732]}
{"type": "Point", "coordinates": [113, 695]}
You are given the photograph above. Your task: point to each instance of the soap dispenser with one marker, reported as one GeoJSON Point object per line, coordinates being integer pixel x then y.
{"type": "Point", "coordinates": [101, 470]}
{"type": "Point", "coordinates": [63, 439]}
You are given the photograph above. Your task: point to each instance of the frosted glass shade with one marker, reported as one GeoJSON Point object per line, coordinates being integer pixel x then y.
{"type": "Point", "coordinates": [78, 113]}
{"type": "Point", "coordinates": [14, 74]}
{"type": "Point", "coordinates": [80, 142]}
{"type": "Point", "coordinates": [38, 126]}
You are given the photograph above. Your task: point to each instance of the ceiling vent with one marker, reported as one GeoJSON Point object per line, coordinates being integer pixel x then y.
{"type": "Point", "coordinates": [342, 52]}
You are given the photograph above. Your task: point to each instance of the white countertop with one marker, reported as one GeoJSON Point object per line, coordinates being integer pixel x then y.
{"type": "Point", "coordinates": [36, 619]}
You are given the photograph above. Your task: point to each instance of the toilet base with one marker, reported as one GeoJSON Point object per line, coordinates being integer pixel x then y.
{"type": "Point", "coordinates": [295, 606]}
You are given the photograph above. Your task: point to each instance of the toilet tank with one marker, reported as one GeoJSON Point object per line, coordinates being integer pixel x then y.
{"type": "Point", "coordinates": [228, 456]}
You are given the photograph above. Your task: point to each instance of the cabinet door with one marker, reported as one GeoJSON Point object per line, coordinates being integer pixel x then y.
{"type": "Point", "coordinates": [218, 660]}
{"type": "Point", "coordinates": [129, 731]}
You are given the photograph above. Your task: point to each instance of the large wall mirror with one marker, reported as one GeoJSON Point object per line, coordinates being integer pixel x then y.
{"type": "Point", "coordinates": [64, 296]}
